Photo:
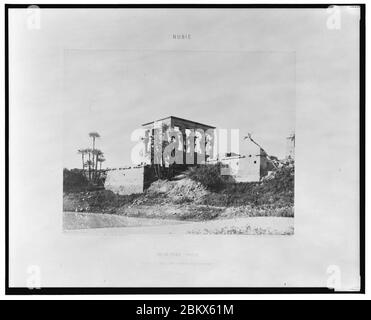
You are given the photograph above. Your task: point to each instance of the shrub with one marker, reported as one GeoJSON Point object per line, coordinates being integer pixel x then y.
{"type": "Point", "coordinates": [103, 201]}
{"type": "Point", "coordinates": [106, 199]}
{"type": "Point", "coordinates": [74, 180]}
{"type": "Point", "coordinates": [209, 176]}
{"type": "Point", "coordinates": [183, 200]}
{"type": "Point", "coordinates": [278, 192]}
{"type": "Point", "coordinates": [201, 214]}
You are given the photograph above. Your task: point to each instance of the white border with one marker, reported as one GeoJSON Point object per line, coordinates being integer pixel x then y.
{"type": "Point", "coordinates": [179, 297]}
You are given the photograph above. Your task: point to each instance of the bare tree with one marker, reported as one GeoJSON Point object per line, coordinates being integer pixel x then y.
{"type": "Point", "coordinates": [273, 161]}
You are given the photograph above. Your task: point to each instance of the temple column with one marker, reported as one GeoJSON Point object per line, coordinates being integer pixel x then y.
{"type": "Point", "coordinates": [184, 147]}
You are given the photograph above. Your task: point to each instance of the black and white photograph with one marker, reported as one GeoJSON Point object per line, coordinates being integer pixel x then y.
{"type": "Point", "coordinates": [185, 146]}
{"type": "Point", "coordinates": [226, 166]}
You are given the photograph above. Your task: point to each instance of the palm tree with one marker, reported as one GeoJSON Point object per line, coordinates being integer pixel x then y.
{"type": "Point", "coordinates": [274, 163]}
{"type": "Point", "coordinates": [89, 163]}
{"type": "Point", "coordinates": [96, 154]}
{"type": "Point", "coordinates": [101, 160]}
{"type": "Point", "coordinates": [94, 135]}
{"type": "Point", "coordinates": [82, 152]}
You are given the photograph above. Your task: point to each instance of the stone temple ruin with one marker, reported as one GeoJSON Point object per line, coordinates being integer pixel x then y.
{"type": "Point", "coordinates": [171, 145]}
{"type": "Point", "coordinates": [193, 141]}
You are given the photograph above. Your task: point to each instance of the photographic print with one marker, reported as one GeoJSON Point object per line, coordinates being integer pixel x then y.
{"type": "Point", "coordinates": [185, 148]}
{"type": "Point", "coordinates": [217, 163]}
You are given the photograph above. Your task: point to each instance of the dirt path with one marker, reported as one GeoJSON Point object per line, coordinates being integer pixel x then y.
{"type": "Point", "coordinates": [84, 220]}
{"type": "Point", "coordinates": [105, 224]}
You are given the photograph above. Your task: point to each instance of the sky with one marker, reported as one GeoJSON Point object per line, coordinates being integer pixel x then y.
{"type": "Point", "coordinates": [112, 70]}
{"type": "Point", "coordinates": [114, 92]}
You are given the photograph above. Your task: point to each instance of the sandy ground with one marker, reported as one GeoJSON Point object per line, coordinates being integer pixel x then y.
{"type": "Point", "coordinates": [106, 224]}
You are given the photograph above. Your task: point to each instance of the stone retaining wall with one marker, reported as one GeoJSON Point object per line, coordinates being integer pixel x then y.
{"type": "Point", "coordinates": [125, 181]}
